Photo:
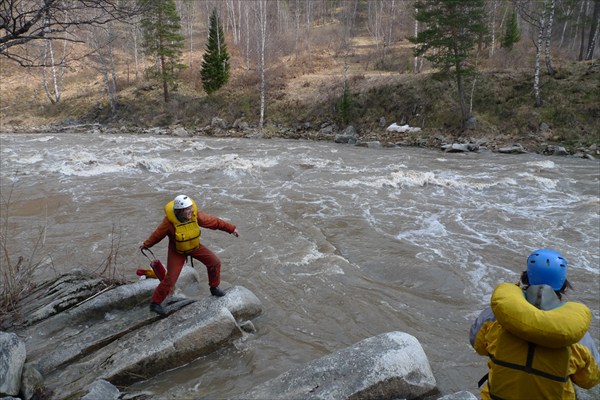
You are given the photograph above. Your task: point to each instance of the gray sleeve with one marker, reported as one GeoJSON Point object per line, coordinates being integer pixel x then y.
{"type": "Point", "coordinates": [486, 315]}
{"type": "Point", "coordinates": [588, 342]}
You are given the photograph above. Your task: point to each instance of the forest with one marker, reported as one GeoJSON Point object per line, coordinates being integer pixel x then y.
{"type": "Point", "coordinates": [520, 68]}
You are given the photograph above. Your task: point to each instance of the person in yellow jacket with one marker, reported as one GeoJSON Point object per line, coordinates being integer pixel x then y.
{"type": "Point", "coordinates": [182, 225]}
{"type": "Point", "coordinates": [537, 345]}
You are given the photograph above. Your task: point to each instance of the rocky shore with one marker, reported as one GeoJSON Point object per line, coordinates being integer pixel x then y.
{"type": "Point", "coordinates": [80, 336]}
{"type": "Point", "coordinates": [391, 135]}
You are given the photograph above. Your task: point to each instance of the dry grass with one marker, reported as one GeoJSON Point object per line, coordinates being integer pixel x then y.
{"type": "Point", "coordinates": [16, 270]}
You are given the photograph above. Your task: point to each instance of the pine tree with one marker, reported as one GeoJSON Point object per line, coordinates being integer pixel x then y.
{"type": "Point", "coordinates": [452, 29]}
{"type": "Point", "coordinates": [511, 35]}
{"type": "Point", "coordinates": [346, 104]}
{"type": "Point", "coordinates": [215, 66]}
{"type": "Point", "coordinates": [162, 41]}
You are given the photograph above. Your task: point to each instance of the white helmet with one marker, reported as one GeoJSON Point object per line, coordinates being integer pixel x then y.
{"type": "Point", "coordinates": [182, 201]}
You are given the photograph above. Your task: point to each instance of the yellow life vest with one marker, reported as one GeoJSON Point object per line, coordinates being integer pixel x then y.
{"type": "Point", "coordinates": [187, 234]}
{"type": "Point", "coordinates": [555, 328]}
{"type": "Point", "coordinates": [533, 346]}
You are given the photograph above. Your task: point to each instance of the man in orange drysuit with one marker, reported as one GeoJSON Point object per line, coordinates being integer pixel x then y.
{"type": "Point", "coordinates": [182, 225]}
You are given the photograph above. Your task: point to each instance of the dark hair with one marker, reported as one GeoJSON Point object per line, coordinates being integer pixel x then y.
{"type": "Point", "coordinates": [559, 293]}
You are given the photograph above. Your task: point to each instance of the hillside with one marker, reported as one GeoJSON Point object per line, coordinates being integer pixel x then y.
{"type": "Point", "coordinates": [304, 95]}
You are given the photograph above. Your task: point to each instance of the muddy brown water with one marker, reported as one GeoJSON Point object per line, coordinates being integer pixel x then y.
{"type": "Point", "coordinates": [339, 242]}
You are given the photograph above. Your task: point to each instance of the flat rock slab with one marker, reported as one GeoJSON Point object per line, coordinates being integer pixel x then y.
{"type": "Point", "coordinates": [81, 329]}
{"type": "Point", "coordinates": [388, 366]}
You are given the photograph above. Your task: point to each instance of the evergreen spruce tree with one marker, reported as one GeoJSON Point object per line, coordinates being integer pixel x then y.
{"type": "Point", "coordinates": [163, 41]}
{"type": "Point", "coordinates": [346, 104]}
{"type": "Point", "coordinates": [215, 66]}
{"type": "Point", "coordinates": [511, 34]}
{"type": "Point", "coordinates": [452, 28]}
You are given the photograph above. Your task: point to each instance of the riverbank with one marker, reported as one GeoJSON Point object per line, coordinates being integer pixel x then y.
{"type": "Point", "coordinates": [306, 106]}
{"type": "Point", "coordinates": [386, 137]}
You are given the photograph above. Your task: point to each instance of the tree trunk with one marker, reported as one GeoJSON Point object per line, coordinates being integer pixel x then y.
{"type": "Point", "coordinates": [541, 24]}
{"type": "Point", "coordinates": [135, 32]}
{"type": "Point", "coordinates": [262, 22]}
{"type": "Point", "coordinates": [493, 30]}
{"type": "Point", "coordinates": [584, 7]}
{"type": "Point", "coordinates": [537, 69]}
{"type": "Point", "coordinates": [58, 72]}
{"type": "Point", "coordinates": [549, 38]}
{"type": "Point", "coordinates": [190, 19]}
{"type": "Point", "coordinates": [461, 94]}
{"type": "Point", "coordinates": [113, 81]}
{"type": "Point", "coordinates": [163, 68]}
{"type": "Point", "coordinates": [247, 14]}
{"type": "Point", "coordinates": [594, 31]}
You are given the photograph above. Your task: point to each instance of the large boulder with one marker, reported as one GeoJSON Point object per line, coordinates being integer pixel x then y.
{"type": "Point", "coordinates": [89, 332]}
{"type": "Point", "coordinates": [388, 366]}
{"type": "Point", "coordinates": [171, 342]}
{"type": "Point", "coordinates": [12, 360]}
{"type": "Point", "coordinates": [349, 136]}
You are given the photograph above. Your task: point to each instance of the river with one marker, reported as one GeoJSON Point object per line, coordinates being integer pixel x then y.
{"type": "Point", "coordinates": [339, 242]}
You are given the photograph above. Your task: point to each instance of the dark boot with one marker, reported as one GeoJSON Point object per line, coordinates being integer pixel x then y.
{"type": "Point", "coordinates": [215, 291]}
{"type": "Point", "coordinates": [157, 308]}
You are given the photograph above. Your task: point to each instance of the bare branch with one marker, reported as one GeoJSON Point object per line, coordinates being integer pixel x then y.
{"type": "Point", "coordinates": [22, 22]}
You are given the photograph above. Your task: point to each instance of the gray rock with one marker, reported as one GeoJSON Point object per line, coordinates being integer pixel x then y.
{"type": "Point", "coordinates": [157, 130]}
{"type": "Point", "coordinates": [102, 390]}
{"type": "Point", "coordinates": [219, 123]}
{"type": "Point", "coordinates": [58, 295]}
{"type": "Point", "coordinates": [350, 131]}
{"type": "Point", "coordinates": [112, 335]}
{"type": "Point", "coordinates": [460, 147]}
{"type": "Point", "coordinates": [556, 150]}
{"type": "Point", "coordinates": [241, 125]}
{"type": "Point", "coordinates": [464, 395]}
{"type": "Point", "coordinates": [99, 321]}
{"type": "Point", "coordinates": [340, 138]}
{"type": "Point", "coordinates": [388, 366]}
{"type": "Point", "coordinates": [169, 343]}
{"type": "Point", "coordinates": [455, 148]}
{"type": "Point", "coordinates": [12, 360]}
{"type": "Point", "coordinates": [327, 130]}
{"type": "Point", "coordinates": [375, 144]}
{"type": "Point", "coordinates": [248, 326]}
{"type": "Point", "coordinates": [349, 136]}
{"type": "Point", "coordinates": [32, 383]}
{"type": "Point", "coordinates": [180, 132]}
{"type": "Point", "coordinates": [514, 149]}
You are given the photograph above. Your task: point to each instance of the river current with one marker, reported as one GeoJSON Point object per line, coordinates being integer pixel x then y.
{"type": "Point", "coordinates": [339, 242]}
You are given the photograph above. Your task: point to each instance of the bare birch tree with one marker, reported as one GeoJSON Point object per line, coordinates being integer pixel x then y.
{"type": "Point", "coordinates": [536, 17]}
{"type": "Point", "coordinates": [53, 71]}
{"type": "Point", "coordinates": [548, 35]}
{"type": "Point", "coordinates": [261, 19]}
{"type": "Point", "coordinates": [594, 31]}
{"type": "Point", "coordinates": [566, 8]}
{"type": "Point", "coordinates": [136, 35]}
{"type": "Point", "coordinates": [102, 39]}
{"type": "Point", "coordinates": [418, 59]}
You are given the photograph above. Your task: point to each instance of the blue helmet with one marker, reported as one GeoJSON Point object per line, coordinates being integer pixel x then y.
{"type": "Point", "coordinates": [547, 267]}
